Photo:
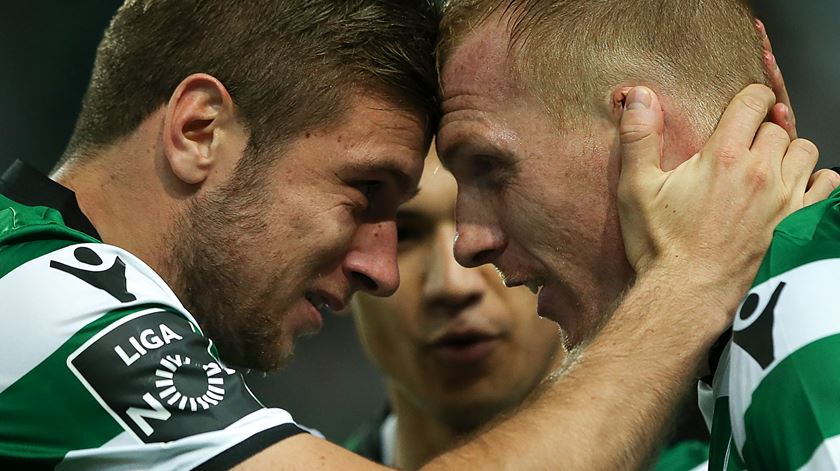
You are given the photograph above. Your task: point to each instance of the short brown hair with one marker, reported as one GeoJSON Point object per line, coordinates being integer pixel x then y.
{"type": "Point", "coordinates": [290, 65]}
{"type": "Point", "coordinates": [570, 51]}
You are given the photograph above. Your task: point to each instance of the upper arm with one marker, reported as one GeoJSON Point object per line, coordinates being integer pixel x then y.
{"type": "Point", "coordinates": [305, 453]}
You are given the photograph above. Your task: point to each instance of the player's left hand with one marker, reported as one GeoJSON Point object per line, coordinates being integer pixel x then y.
{"type": "Point", "coordinates": [711, 218]}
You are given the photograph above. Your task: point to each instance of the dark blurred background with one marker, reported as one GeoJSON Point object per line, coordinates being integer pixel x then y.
{"type": "Point", "coordinates": [46, 54]}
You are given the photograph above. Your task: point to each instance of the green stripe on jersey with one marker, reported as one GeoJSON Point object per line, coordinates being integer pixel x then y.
{"type": "Point", "coordinates": [28, 232]}
{"type": "Point", "coordinates": [795, 408]}
{"type": "Point", "coordinates": [44, 406]}
{"type": "Point", "coordinates": [723, 454]}
{"type": "Point", "coordinates": [13, 256]}
{"type": "Point", "coordinates": [20, 223]}
{"type": "Point", "coordinates": [808, 235]}
{"type": "Point", "coordinates": [684, 456]}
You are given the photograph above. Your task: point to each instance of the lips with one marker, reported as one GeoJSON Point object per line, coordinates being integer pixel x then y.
{"type": "Point", "coordinates": [465, 347]}
{"type": "Point", "coordinates": [314, 316]}
{"type": "Point", "coordinates": [533, 284]}
{"type": "Point", "coordinates": [324, 301]}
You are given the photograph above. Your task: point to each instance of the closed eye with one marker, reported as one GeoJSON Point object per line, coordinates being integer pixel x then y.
{"type": "Point", "coordinates": [488, 169]}
{"type": "Point", "coordinates": [368, 188]}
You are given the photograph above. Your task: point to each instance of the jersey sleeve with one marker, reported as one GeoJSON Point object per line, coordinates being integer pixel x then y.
{"type": "Point", "coordinates": [110, 371]}
{"type": "Point", "coordinates": [784, 374]}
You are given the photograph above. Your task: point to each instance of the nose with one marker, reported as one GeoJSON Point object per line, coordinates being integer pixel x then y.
{"type": "Point", "coordinates": [371, 263]}
{"type": "Point", "coordinates": [479, 238]}
{"type": "Point", "coordinates": [447, 284]}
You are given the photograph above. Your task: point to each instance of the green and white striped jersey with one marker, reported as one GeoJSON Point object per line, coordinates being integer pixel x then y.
{"type": "Point", "coordinates": [102, 367]}
{"type": "Point", "coordinates": [774, 403]}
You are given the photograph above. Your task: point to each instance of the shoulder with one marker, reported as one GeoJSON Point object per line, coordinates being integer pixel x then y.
{"type": "Point", "coordinates": [102, 365]}
{"type": "Point", "coordinates": [786, 345]}
{"type": "Point", "coordinates": [172, 398]}
{"type": "Point", "coordinates": [67, 286]}
{"type": "Point", "coordinates": [808, 235]}
{"type": "Point", "coordinates": [137, 385]}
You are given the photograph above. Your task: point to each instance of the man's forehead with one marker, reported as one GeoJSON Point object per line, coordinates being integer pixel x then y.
{"type": "Point", "coordinates": [480, 65]}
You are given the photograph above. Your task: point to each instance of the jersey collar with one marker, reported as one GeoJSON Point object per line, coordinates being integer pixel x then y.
{"type": "Point", "coordinates": [27, 186]}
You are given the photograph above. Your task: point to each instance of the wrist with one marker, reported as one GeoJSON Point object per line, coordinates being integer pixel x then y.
{"type": "Point", "coordinates": [686, 302]}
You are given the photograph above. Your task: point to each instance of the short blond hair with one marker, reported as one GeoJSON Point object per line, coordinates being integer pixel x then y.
{"type": "Point", "coordinates": [568, 53]}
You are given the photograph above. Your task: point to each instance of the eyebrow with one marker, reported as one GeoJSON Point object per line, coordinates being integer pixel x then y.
{"type": "Point", "coordinates": [397, 175]}
{"type": "Point", "coordinates": [462, 146]}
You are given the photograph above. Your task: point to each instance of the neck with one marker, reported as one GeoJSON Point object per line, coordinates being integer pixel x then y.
{"type": "Point", "coordinates": [420, 435]}
{"type": "Point", "coordinates": [126, 212]}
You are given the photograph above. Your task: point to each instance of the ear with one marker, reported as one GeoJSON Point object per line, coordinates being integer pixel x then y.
{"type": "Point", "coordinates": [617, 96]}
{"type": "Point", "coordinates": [197, 115]}
{"type": "Point", "coordinates": [681, 139]}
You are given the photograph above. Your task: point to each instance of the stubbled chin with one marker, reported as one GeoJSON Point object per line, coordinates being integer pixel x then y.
{"type": "Point", "coordinates": [578, 323]}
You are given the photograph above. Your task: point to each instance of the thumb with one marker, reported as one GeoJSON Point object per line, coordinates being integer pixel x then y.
{"type": "Point", "coordinates": [640, 131]}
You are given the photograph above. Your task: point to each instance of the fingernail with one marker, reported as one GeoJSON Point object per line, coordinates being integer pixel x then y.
{"type": "Point", "coordinates": [638, 98]}
{"type": "Point", "coordinates": [760, 26]}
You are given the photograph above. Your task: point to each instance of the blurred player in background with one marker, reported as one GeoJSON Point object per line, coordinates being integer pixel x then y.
{"type": "Point", "coordinates": [456, 347]}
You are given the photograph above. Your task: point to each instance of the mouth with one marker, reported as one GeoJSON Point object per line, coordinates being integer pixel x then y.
{"type": "Point", "coordinates": [324, 302]}
{"type": "Point", "coordinates": [534, 284]}
{"type": "Point", "coordinates": [466, 347]}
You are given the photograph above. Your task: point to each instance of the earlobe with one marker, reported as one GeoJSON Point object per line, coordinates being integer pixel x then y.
{"type": "Point", "coordinates": [196, 113]}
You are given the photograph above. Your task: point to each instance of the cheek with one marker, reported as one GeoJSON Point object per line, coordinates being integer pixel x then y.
{"type": "Point", "coordinates": [330, 234]}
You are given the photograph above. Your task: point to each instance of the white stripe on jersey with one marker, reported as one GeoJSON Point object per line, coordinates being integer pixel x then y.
{"type": "Point", "coordinates": [812, 285]}
{"type": "Point", "coordinates": [124, 453]}
{"type": "Point", "coordinates": [827, 456]}
{"type": "Point", "coordinates": [44, 307]}
{"type": "Point", "coordinates": [701, 467]}
{"type": "Point", "coordinates": [708, 395]}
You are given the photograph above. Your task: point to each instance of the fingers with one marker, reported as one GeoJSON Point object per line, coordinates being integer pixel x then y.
{"type": "Point", "coordinates": [771, 142]}
{"type": "Point", "coordinates": [742, 118]}
{"type": "Point", "coordinates": [640, 131]}
{"type": "Point", "coordinates": [781, 115]}
{"type": "Point", "coordinates": [822, 184]}
{"type": "Point", "coordinates": [777, 82]}
{"type": "Point", "coordinates": [797, 165]}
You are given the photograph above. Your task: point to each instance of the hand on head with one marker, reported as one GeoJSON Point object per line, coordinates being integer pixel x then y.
{"type": "Point", "coordinates": [712, 217]}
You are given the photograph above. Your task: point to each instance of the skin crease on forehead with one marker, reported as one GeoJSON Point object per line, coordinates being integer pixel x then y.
{"type": "Point", "coordinates": [536, 200]}
{"type": "Point", "coordinates": [438, 296]}
{"type": "Point", "coordinates": [323, 227]}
